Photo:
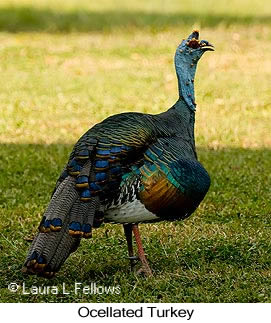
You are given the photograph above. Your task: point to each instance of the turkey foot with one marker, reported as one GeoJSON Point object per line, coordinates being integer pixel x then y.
{"type": "Point", "coordinates": [145, 268]}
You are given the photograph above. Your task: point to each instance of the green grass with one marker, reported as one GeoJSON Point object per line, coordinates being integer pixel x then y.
{"type": "Point", "coordinates": [65, 66]}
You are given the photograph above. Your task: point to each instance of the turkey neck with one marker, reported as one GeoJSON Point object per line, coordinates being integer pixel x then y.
{"type": "Point", "coordinates": [185, 66]}
{"type": "Point", "coordinates": [178, 121]}
{"type": "Point", "coordinates": [185, 118]}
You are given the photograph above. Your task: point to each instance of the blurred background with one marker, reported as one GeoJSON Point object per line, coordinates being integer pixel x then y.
{"type": "Point", "coordinates": [68, 64]}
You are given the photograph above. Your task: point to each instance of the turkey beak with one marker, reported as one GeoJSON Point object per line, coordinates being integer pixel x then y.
{"type": "Point", "coordinates": [208, 46]}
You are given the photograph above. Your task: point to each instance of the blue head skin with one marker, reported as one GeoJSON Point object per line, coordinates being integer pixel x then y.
{"type": "Point", "coordinates": [187, 56]}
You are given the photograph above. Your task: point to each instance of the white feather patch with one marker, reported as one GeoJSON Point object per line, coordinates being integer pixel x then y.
{"type": "Point", "coordinates": [129, 212]}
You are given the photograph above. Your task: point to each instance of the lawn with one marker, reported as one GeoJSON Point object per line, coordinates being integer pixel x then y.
{"type": "Point", "coordinates": [66, 65]}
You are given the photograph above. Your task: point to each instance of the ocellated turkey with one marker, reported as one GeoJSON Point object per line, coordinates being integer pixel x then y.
{"type": "Point", "coordinates": [131, 168]}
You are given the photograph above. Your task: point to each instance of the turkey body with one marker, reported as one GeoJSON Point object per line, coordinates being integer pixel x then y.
{"type": "Point", "coordinates": [150, 169]}
{"type": "Point", "coordinates": [166, 181]}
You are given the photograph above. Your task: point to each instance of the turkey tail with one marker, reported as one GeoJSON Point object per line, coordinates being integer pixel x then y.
{"type": "Point", "coordinates": [67, 218]}
{"type": "Point", "coordinates": [49, 251]}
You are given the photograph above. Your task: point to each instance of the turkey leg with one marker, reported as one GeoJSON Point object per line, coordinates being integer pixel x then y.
{"type": "Point", "coordinates": [128, 230]}
{"type": "Point", "coordinates": [128, 234]}
{"type": "Point", "coordinates": [141, 254]}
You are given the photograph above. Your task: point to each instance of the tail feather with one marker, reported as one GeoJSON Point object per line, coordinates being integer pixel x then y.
{"type": "Point", "coordinates": [88, 224]}
{"type": "Point", "coordinates": [78, 212]}
{"type": "Point", "coordinates": [49, 251]}
{"type": "Point", "coordinates": [59, 206]}
{"type": "Point", "coordinates": [66, 220]}
{"type": "Point", "coordinates": [65, 246]}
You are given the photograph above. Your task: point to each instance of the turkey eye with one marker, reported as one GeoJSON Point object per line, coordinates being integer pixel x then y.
{"type": "Point", "coordinates": [193, 43]}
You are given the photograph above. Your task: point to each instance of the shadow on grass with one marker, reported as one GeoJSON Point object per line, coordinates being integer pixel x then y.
{"type": "Point", "coordinates": [28, 19]}
{"type": "Point", "coordinates": [238, 201]}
